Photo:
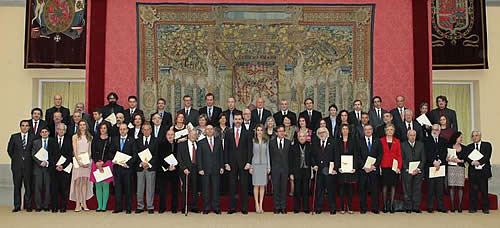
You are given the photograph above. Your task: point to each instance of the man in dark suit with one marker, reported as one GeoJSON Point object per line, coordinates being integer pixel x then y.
{"type": "Point", "coordinates": [123, 170]}
{"type": "Point", "coordinates": [146, 172]}
{"type": "Point", "coordinates": [237, 159]}
{"type": "Point", "coordinates": [213, 112]}
{"type": "Point", "coordinates": [370, 146]}
{"type": "Point", "coordinates": [19, 150]}
{"type": "Point", "coordinates": [278, 153]}
{"type": "Point", "coordinates": [300, 172]}
{"type": "Point", "coordinates": [210, 164]}
{"type": "Point", "coordinates": [443, 110]}
{"type": "Point", "coordinates": [80, 107]}
{"type": "Point", "coordinates": [114, 130]}
{"type": "Point", "coordinates": [72, 128]}
{"type": "Point", "coordinates": [412, 151]}
{"type": "Point", "coordinates": [248, 123]}
{"type": "Point", "coordinates": [331, 120]}
{"type": "Point", "coordinates": [410, 124]}
{"type": "Point", "coordinates": [436, 152]}
{"type": "Point", "coordinates": [231, 111]}
{"type": "Point", "coordinates": [57, 119]}
{"type": "Point", "coordinates": [479, 173]}
{"type": "Point", "coordinates": [167, 173]}
{"type": "Point", "coordinates": [132, 109]}
{"type": "Point", "coordinates": [94, 126]}
{"type": "Point", "coordinates": [284, 111]}
{"type": "Point", "coordinates": [42, 169]}
{"type": "Point", "coordinates": [165, 115]}
{"type": "Point", "coordinates": [49, 113]}
{"type": "Point", "coordinates": [187, 156]}
{"type": "Point", "coordinates": [60, 180]}
{"type": "Point", "coordinates": [360, 128]}
{"type": "Point", "coordinates": [260, 114]}
{"type": "Point", "coordinates": [191, 115]}
{"type": "Point", "coordinates": [380, 131]}
{"type": "Point", "coordinates": [399, 112]}
{"type": "Point", "coordinates": [355, 115]}
{"type": "Point", "coordinates": [312, 116]}
{"type": "Point", "coordinates": [36, 122]}
{"type": "Point", "coordinates": [112, 106]}
{"type": "Point", "coordinates": [159, 130]}
{"type": "Point", "coordinates": [323, 154]}
{"type": "Point", "coordinates": [377, 112]}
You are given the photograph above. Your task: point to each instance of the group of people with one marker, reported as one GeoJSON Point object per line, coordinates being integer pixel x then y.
{"type": "Point", "coordinates": [218, 152]}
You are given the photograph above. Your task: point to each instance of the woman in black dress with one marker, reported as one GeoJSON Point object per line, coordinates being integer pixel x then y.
{"type": "Point", "coordinates": [346, 145]}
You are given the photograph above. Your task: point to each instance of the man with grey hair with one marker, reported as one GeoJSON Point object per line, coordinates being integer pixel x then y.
{"type": "Point", "coordinates": [73, 125]}
{"type": "Point", "coordinates": [187, 156]}
{"type": "Point", "coordinates": [80, 107]}
{"type": "Point", "coordinates": [284, 111]}
{"type": "Point", "coordinates": [436, 152]}
{"type": "Point", "coordinates": [479, 172]}
{"type": "Point", "coordinates": [248, 122]}
{"type": "Point", "coordinates": [300, 172]}
{"type": "Point", "coordinates": [370, 146]}
{"type": "Point", "coordinates": [260, 114]}
{"type": "Point", "coordinates": [146, 172]}
{"type": "Point", "coordinates": [323, 155]}
{"type": "Point", "coordinates": [410, 124]}
{"type": "Point", "coordinates": [60, 179]}
{"type": "Point", "coordinates": [412, 151]}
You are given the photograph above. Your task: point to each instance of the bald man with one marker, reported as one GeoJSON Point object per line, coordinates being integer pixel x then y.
{"type": "Point", "coordinates": [49, 113]}
{"type": "Point", "coordinates": [260, 114]}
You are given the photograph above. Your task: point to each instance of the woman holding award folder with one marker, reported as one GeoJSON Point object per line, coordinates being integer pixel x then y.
{"type": "Point", "coordinates": [391, 165]}
{"type": "Point", "coordinates": [180, 126]}
{"type": "Point", "coordinates": [135, 127]}
{"type": "Point", "coordinates": [81, 188]}
{"type": "Point", "coordinates": [348, 152]}
{"type": "Point", "coordinates": [457, 152]}
{"type": "Point", "coordinates": [103, 151]}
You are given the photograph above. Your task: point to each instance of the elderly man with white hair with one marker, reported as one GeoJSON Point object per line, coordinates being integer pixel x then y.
{"type": "Point", "coordinates": [479, 171]}
{"type": "Point", "coordinates": [323, 157]}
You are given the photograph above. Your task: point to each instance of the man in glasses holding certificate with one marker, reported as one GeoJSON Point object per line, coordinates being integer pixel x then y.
{"type": "Point", "coordinates": [123, 161]}
{"type": "Point", "coordinates": [147, 149]}
{"type": "Point", "coordinates": [479, 171]}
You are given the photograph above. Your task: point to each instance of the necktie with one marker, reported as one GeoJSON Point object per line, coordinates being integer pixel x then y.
{"type": "Point", "coordinates": [401, 113]}
{"type": "Point", "coordinates": [310, 116]}
{"type": "Point", "coordinates": [260, 115]}
{"type": "Point", "coordinates": [378, 113]}
{"type": "Point", "coordinates": [60, 143]}
{"type": "Point", "coordinates": [231, 119]}
{"type": "Point", "coordinates": [161, 114]}
{"type": "Point", "coordinates": [369, 145]}
{"type": "Point", "coordinates": [95, 127]}
{"type": "Point", "coordinates": [187, 112]}
{"type": "Point", "coordinates": [210, 113]}
{"type": "Point", "coordinates": [281, 144]}
{"type": "Point", "coordinates": [156, 131]}
{"type": "Point", "coordinates": [436, 140]}
{"type": "Point", "coordinates": [323, 146]}
{"type": "Point", "coordinates": [131, 112]}
{"type": "Point", "coordinates": [237, 137]}
{"type": "Point", "coordinates": [122, 142]}
{"type": "Point", "coordinates": [477, 146]}
{"type": "Point", "coordinates": [409, 126]}
{"type": "Point", "coordinates": [211, 144]}
{"type": "Point", "coordinates": [193, 160]}
{"type": "Point", "coordinates": [24, 142]}
{"type": "Point", "coordinates": [76, 128]}
{"type": "Point", "coordinates": [357, 115]}
{"type": "Point", "coordinates": [35, 127]}
{"type": "Point", "coordinates": [45, 144]}
{"type": "Point", "coordinates": [146, 143]}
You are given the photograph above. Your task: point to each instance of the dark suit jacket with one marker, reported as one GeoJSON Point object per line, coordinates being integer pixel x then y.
{"type": "Point", "coordinates": [434, 152]}
{"type": "Point", "coordinates": [409, 155]}
{"type": "Point", "coordinates": [415, 126]}
{"type": "Point", "coordinates": [278, 117]}
{"type": "Point", "coordinates": [165, 121]}
{"type": "Point", "coordinates": [207, 160]}
{"type": "Point", "coordinates": [109, 108]}
{"type": "Point", "coordinates": [192, 118]}
{"type": "Point", "coordinates": [279, 158]}
{"type": "Point", "coordinates": [92, 126]}
{"type": "Point", "coordinates": [450, 114]}
{"type": "Point", "coordinates": [184, 158]}
{"type": "Point", "coordinates": [20, 158]}
{"type": "Point", "coordinates": [41, 124]}
{"type": "Point", "coordinates": [255, 116]}
{"type": "Point", "coordinates": [129, 148]}
{"type": "Point", "coordinates": [128, 117]}
{"type": "Point", "coordinates": [374, 120]}
{"type": "Point", "coordinates": [53, 157]}
{"type": "Point", "coordinates": [353, 119]}
{"type": "Point", "coordinates": [238, 157]}
{"type": "Point", "coordinates": [161, 133]}
{"type": "Point", "coordinates": [330, 127]}
{"type": "Point", "coordinates": [376, 152]}
{"type": "Point", "coordinates": [70, 130]}
{"type": "Point", "coordinates": [314, 122]}
{"type": "Point", "coordinates": [485, 150]}
{"type": "Point", "coordinates": [165, 149]}
{"type": "Point", "coordinates": [49, 114]}
{"type": "Point", "coordinates": [380, 131]}
{"type": "Point", "coordinates": [216, 111]}
{"type": "Point", "coordinates": [352, 149]}
{"type": "Point", "coordinates": [251, 127]}
{"type": "Point", "coordinates": [396, 117]}
{"type": "Point", "coordinates": [227, 113]}
{"type": "Point", "coordinates": [66, 150]}
{"type": "Point", "coordinates": [295, 158]}
{"type": "Point", "coordinates": [322, 158]}
{"type": "Point", "coordinates": [153, 148]}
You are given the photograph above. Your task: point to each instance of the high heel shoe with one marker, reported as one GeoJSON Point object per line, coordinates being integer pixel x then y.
{"type": "Point", "coordinates": [392, 208]}
{"type": "Point", "coordinates": [386, 207]}
{"type": "Point", "coordinates": [85, 208]}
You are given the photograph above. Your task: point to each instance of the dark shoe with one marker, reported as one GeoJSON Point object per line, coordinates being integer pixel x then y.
{"type": "Point", "coordinates": [295, 211]}
{"type": "Point", "coordinates": [117, 211]}
{"type": "Point", "coordinates": [318, 212]}
{"type": "Point", "coordinates": [63, 211]}
{"type": "Point", "coordinates": [217, 212]}
{"type": "Point", "coordinates": [230, 212]}
{"type": "Point", "coordinates": [244, 212]}
{"type": "Point", "coordinates": [151, 211]}
{"type": "Point", "coordinates": [430, 210]}
{"type": "Point", "coordinates": [138, 211]}
{"type": "Point", "coordinates": [98, 210]}
{"type": "Point", "coordinates": [15, 210]}
{"type": "Point", "coordinates": [276, 212]}
{"type": "Point", "coordinates": [443, 211]}
{"type": "Point", "coordinates": [161, 211]}
{"type": "Point", "coordinates": [333, 212]}
{"type": "Point", "coordinates": [283, 212]}
{"type": "Point", "coordinates": [54, 210]}
{"type": "Point", "coordinates": [205, 212]}
{"type": "Point", "coordinates": [408, 211]}
{"type": "Point", "coordinates": [129, 212]}
{"type": "Point", "coordinates": [486, 211]}
{"type": "Point", "coordinates": [459, 210]}
{"type": "Point", "coordinates": [375, 212]}
{"type": "Point", "coordinates": [195, 210]}
{"type": "Point", "coordinates": [174, 211]}
{"type": "Point", "coordinates": [472, 211]}
{"type": "Point", "coordinates": [307, 211]}
{"type": "Point", "coordinates": [363, 212]}
{"type": "Point", "coordinates": [38, 210]}
{"type": "Point", "coordinates": [29, 210]}
{"type": "Point", "coordinates": [392, 209]}
{"type": "Point", "coordinates": [46, 210]}
{"type": "Point", "coordinates": [418, 211]}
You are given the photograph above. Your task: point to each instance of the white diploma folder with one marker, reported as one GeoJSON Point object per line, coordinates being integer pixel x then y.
{"type": "Point", "coordinates": [433, 173]}
{"type": "Point", "coordinates": [75, 163]}
{"type": "Point", "coordinates": [181, 134]}
{"type": "Point", "coordinates": [170, 159]}
{"type": "Point", "coordinates": [68, 168]}
{"type": "Point", "coordinates": [121, 158]}
{"type": "Point", "coordinates": [111, 119]}
{"type": "Point", "coordinates": [331, 167]}
{"type": "Point", "coordinates": [104, 175]}
{"type": "Point", "coordinates": [369, 162]}
{"type": "Point", "coordinates": [395, 164]}
{"type": "Point", "coordinates": [130, 125]}
{"type": "Point", "coordinates": [346, 163]}
{"type": "Point", "coordinates": [475, 155]}
{"type": "Point", "coordinates": [84, 158]}
{"type": "Point", "coordinates": [42, 154]}
{"type": "Point", "coordinates": [145, 155]}
{"type": "Point", "coordinates": [201, 137]}
{"type": "Point", "coordinates": [61, 160]}
{"type": "Point", "coordinates": [423, 120]}
{"type": "Point", "coordinates": [452, 153]}
{"type": "Point", "coordinates": [413, 166]}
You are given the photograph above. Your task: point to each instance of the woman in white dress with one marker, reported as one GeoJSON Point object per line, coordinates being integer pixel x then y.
{"type": "Point", "coordinates": [81, 187]}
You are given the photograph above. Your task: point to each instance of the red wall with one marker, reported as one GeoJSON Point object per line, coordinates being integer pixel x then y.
{"type": "Point", "coordinates": [393, 68]}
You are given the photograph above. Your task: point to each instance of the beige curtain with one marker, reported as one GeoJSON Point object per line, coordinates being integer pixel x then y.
{"type": "Point", "coordinates": [72, 93]}
{"type": "Point", "coordinates": [459, 99]}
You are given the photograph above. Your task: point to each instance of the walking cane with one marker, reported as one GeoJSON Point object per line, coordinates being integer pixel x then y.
{"type": "Point", "coordinates": [186, 201]}
{"type": "Point", "coordinates": [314, 192]}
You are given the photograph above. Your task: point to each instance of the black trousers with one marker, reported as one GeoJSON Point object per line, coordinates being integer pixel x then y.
{"type": "Point", "coordinates": [301, 191]}
{"type": "Point", "coordinates": [163, 180]}
{"type": "Point", "coordinates": [224, 181]}
{"type": "Point", "coordinates": [210, 181]}
{"type": "Point", "coordinates": [123, 187]}
{"type": "Point", "coordinates": [280, 183]}
{"type": "Point", "coordinates": [412, 187]}
{"type": "Point", "coordinates": [435, 189]}
{"type": "Point", "coordinates": [42, 184]}
{"type": "Point", "coordinates": [325, 182]}
{"type": "Point", "coordinates": [478, 184]}
{"type": "Point", "coordinates": [192, 189]}
{"type": "Point", "coordinates": [346, 189]}
{"type": "Point", "coordinates": [60, 182]}
{"type": "Point", "coordinates": [235, 174]}
{"type": "Point", "coordinates": [369, 183]}
{"type": "Point", "coordinates": [20, 177]}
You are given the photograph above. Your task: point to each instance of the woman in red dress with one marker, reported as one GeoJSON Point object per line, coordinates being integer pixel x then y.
{"type": "Point", "coordinates": [391, 153]}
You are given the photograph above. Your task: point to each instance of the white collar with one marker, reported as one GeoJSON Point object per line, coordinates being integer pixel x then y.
{"type": "Point", "coordinates": [369, 138]}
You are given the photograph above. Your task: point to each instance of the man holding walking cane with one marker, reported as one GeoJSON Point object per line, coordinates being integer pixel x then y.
{"type": "Point", "coordinates": [189, 172]}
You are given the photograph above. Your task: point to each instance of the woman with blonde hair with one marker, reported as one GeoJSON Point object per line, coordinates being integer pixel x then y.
{"type": "Point", "coordinates": [81, 188]}
{"type": "Point", "coordinates": [270, 128]}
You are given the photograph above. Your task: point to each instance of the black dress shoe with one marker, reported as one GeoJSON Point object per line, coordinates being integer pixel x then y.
{"type": "Point", "coordinates": [443, 211]}
{"type": "Point", "coordinates": [430, 211]}
{"type": "Point", "coordinates": [472, 211]}
{"type": "Point", "coordinates": [138, 211]}
{"type": "Point", "coordinates": [98, 210]}
{"type": "Point", "coordinates": [486, 211]}
{"type": "Point", "coordinates": [408, 211]}
{"type": "Point", "coordinates": [205, 212]}
{"type": "Point", "coordinates": [46, 210]}
{"type": "Point", "coordinates": [283, 211]}
{"type": "Point", "coordinates": [295, 211]}
{"type": "Point", "coordinates": [29, 210]}
{"type": "Point", "coordinates": [128, 212]}
{"type": "Point", "coordinates": [117, 211]}
{"type": "Point", "coordinates": [195, 210]}
{"type": "Point", "coordinates": [38, 210]}
{"type": "Point", "coordinates": [151, 211]}
{"type": "Point", "coordinates": [375, 211]}
{"type": "Point", "coordinates": [231, 212]}
{"type": "Point", "coordinates": [16, 210]}
{"type": "Point", "coordinates": [161, 211]}
{"type": "Point", "coordinates": [63, 210]}
{"type": "Point", "coordinates": [363, 212]}
{"type": "Point", "coordinates": [54, 210]}
{"type": "Point", "coordinates": [318, 212]}
{"type": "Point", "coordinates": [418, 211]}
{"type": "Point", "coordinates": [307, 211]}
{"type": "Point", "coordinates": [333, 212]}
{"type": "Point", "coordinates": [276, 212]}
{"type": "Point", "coordinates": [244, 212]}
{"type": "Point", "coordinates": [174, 211]}
{"type": "Point", "coordinates": [217, 212]}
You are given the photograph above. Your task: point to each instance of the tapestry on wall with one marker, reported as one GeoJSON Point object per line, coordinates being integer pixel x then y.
{"type": "Point", "coordinates": [55, 34]}
{"type": "Point", "coordinates": [278, 52]}
{"type": "Point", "coordinates": [459, 34]}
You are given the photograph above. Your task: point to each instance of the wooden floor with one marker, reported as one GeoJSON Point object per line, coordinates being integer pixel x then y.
{"type": "Point", "coordinates": [101, 220]}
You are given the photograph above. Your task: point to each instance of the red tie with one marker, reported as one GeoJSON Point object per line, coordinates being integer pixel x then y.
{"type": "Point", "coordinates": [36, 125]}
{"type": "Point", "coordinates": [237, 137]}
{"type": "Point", "coordinates": [211, 145]}
{"type": "Point", "coordinates": [194, 155]}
